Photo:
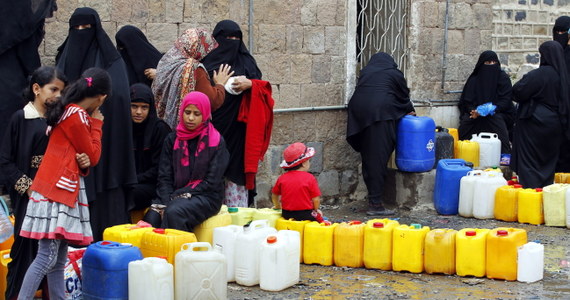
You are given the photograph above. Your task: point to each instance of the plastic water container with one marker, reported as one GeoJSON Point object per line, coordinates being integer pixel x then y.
{"type": "Point", "coordinates": [554, 203]}
{"type": "Point", "coordinates": [455, 134]}
{"type": "Point", "coordinates": [471, 252]}
{"type": "Point", "coordinates": [105, 269]}
{"type": "Point", "coordinates": [377, 252]}
{"type": "Point", "coordinates": [292, 224]}
{"type": "Point", "coordinates": [200, 274]}
{"type": "Point", "coordinates": [408, 248]}
{"type": "Point", "coordinates": [447, 182]}
{"type": "Point", "coordinates": [241, 215]}
{"type": "Point", "coordinates": [530, 206]}
{"type": "Point", "coordinates": [444, 145]}
{"type": "Point", "coordinates": [439, 254]}
{"type": "Point", "coordinates": [4, 260]}
{"type": "Point", "coordinates": [349, 244]}
{"type": "Point", "coordinates": [489, 148]}
{"type": "Point", "coordinates": [279, 265]}
{"type": "Point", "coordinates": [466, 190]}
{"type": "Point", "coordinates": [468, 151]}
{"type": "Point", "coordinates": [204, 232]}
{"type": "Point", "coordinates": [415, 144]}
{"type": "Point", "coordinates": [318, 243]}
{"type": "Point", "coordinates": [268, 214]}
{"type": "Point", "coordinates": [247, 248]}
{"type": "Point", "coordinates": [484, 194]}
{"type": "Point", "coordinates": [165, 242]}
{"type": "Point", "coordinates": [561, 177]}
{"type": "Point", "coordinates": [150, 279]}
{"type": "Point", "coordinates": [126, 233]}
{"type": "Point", "coordinates": [225, 238]}
{"type": "Point", "coordinates": [530, 262]}
{"type": "Point", "coordinates": [502, 247]}
{"type": "Point", "coordinates": [506, 203]}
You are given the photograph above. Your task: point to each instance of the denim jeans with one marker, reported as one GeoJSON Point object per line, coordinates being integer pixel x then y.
{"type": "Point", "coordinates": [50, 261]}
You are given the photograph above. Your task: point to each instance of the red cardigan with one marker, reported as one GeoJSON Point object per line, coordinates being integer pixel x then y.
{"type": "Point", "coordinates": [256, 111]}
{"type": "Point", "coordinates": [58, 176]}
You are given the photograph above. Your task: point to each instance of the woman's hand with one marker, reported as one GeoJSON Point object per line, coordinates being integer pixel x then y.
{"type": "Point", "coordinates": [412, 113]}
{"type": "Point", "coordinates": [223, 74]}
{"type": "Point", "coordinates": [473, 114]}
{"type": "Point", "coordinates": [150, 73]}
{"type": "Point", "coordinates": [83, 160]}
{"type": "Point", "coordinates": [241, 83]}
{"type": "Point", "coordinates": [97, 114]}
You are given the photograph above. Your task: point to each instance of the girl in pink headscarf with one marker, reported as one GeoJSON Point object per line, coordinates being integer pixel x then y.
{"type": "Point", "coordinates": [193, 161]}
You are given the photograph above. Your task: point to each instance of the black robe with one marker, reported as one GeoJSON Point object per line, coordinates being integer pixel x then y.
{"type": "Point", "coordinates": [207, 196]}
{"type": "Point", "coordinates": [109, 181]}
{"type": "Point", "coordinates": [380, 99]}
{"type": "Point", "coordinates": [25, 142]}
{"type": "Point", "coordinates": [541, 118]}
{"type": "Point", "coordinates": [21, 33]}
{"type": "Point", "coordinates": [137, 52]}
{"type": "Point", "coordinates": [148, 139]}
{"type": "Point", "coordinates": [234, 53]}
{"type": "Point", "coordinates": [563, 24]}
{"type": "Point", "coordinates": [487, 83]}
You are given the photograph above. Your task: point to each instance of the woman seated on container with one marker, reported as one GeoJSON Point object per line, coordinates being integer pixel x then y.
{"type": "Point", "coordinates": [180, 71]}
{"type": "Point", "coordinates": [485, 104]}
{"type": "Point", "coordinates": [542, 118]}
{"type": "Point", "coordinates": [192, 164]}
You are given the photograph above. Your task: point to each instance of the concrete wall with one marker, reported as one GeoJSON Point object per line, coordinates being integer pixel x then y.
{"type": "Point", "coordinates": [302, 46]}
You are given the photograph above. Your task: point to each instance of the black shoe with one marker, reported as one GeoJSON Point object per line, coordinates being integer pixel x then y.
{"type": "Point", "coordinates": [380, 212]}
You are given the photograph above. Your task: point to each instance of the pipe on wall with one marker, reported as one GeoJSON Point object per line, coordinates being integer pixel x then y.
{"type": "Point", "coordinates": [444, 55]}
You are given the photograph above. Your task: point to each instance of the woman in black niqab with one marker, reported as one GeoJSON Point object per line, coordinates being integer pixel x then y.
{"type": "Point", "coordinates": [232, 51]}
{"type": "Point", "coordinates": [380, 99]}
{"type": "Point", "coordinates": [21, 33]}
{"type": "Point", "coordinates": [487, 83]}
{"type": "Point", "coordinates": [542, 118]}
{"type": "Point", "coordinates": [138, 53]}
{"type": "Point", "coordinates": [560, 34]}
{"type": "Point", "coordinates": [107, 182]}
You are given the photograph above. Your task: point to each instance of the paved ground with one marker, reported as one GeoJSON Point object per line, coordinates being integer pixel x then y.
{"type": "Point", "coordinates": [319, 282]}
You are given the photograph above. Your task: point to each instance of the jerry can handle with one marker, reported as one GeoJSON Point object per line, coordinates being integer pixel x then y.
{"type": "Point", "coordinates": [192, 246]}
{"type": "Point", "coordinates": [474, 172]}
{"type": "Point", "coordinates": [255, 224]}
{"type": "Point", "coordinates": [487, 135]}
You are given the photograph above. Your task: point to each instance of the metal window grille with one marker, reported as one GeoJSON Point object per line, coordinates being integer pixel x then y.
{"type": "Point", "coordinates": [382, 26]}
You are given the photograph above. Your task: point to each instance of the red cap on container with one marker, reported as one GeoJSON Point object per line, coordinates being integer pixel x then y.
{"type": "Point", "coordinates": [327, 223]}
{"type": "Point", "coordinates": [538, 189]}
{"type": "Point", "coordinates": [159, 230]}
{"type": "Point", "coordinates": [378, 225]}
{"type": "Point", "coordinates": [163, 257]}
{"type": "Point", "coordinates": [517, 186]}
{"type": "Point", "coordinates": [105, 243]}
{"type": "Point", "coordinates": [502, 233]}
{"type": "Point", "coordinates": [471, 233]}
{"type": "Point", "coordinates": [514, 177]}
{"type": "Point", "coordinates": [271, 239]}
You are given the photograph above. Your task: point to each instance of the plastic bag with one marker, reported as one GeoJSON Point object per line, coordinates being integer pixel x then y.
{"type": "Point", "coordinates": [6, 227]}
{"type": "Point", "coordinates": [487, 109]}
{"type": "Point", "coordinates": [72, 275]}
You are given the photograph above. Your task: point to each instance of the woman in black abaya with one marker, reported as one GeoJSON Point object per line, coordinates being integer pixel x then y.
{"type": "Point", "coordinates": [560, 34]}
{"type": "Point", "coordinates": [21, 32]}
{"type": "Point", "coordinates": [542, 118]}
{"type": "Point", "coordinates": [380, 99]}
{"type": "Point", "coordinates": [140, 56]}
{"type": "Point", "coordinates": [86, 46]}
{"type": "Point", "coordinates": [487, 83]}
{"type": "Point", "coordinates": [232, 51]}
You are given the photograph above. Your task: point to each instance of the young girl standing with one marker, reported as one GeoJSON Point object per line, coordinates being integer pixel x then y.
{"type": "Point", "coordinates": [21, 151]}
{"type": "Point", "coordinates": [57, 213]}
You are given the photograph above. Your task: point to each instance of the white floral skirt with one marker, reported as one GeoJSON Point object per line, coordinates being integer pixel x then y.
{"type": "Point", "coordinates": [46, 219]}
{"type": "Point", "coordinates": [235, 195]}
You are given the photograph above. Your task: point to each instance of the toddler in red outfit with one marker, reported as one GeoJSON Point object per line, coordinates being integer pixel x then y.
{"type": "Point", "coordinates": [299, 189]}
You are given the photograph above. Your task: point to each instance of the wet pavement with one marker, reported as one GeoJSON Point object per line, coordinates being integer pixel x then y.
{"type": "Point", "coordinates": [330, 282]}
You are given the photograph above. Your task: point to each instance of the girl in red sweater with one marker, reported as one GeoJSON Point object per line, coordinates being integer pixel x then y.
{"type": "Point", "coordinates": [57, 213]}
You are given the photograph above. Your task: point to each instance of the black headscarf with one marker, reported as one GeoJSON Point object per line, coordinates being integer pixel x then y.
{"type": "Point", "coordinates": [484, 83]}
{"type": "Point", "coordinates": [551, 54]}
{"type": "Point", "coordinates": [381, 94]}
{"type": "Point", "coordinates": [137, 52]}
{"type": "Point", "coordinates": [234, 53]}
{"type": "Point", "coordinates": [142, 132]}
{"type": "Point", "coordinates": [561, 24]}
{"type": "Point", "coordinates": [87, 47]}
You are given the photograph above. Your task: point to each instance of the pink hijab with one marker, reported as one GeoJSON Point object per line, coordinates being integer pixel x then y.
{"type": "Point", "coordinates": [208, 139]}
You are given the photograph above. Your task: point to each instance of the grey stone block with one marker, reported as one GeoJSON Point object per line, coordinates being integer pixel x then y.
{"type": "Point", "coordinates": [329, 183]}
